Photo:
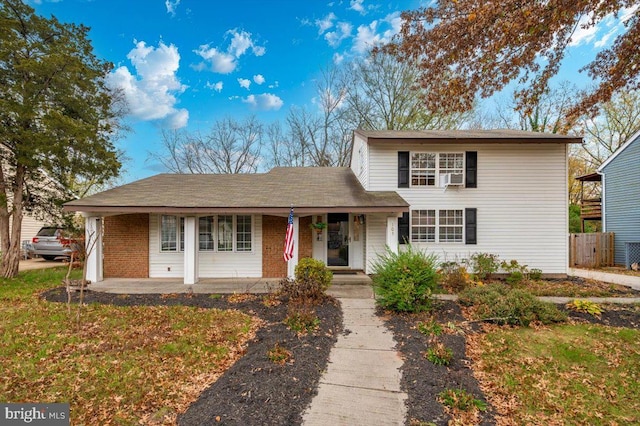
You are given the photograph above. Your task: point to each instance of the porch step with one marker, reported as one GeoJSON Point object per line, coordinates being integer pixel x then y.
{"type": "Point", "coordinates": [356, 279]}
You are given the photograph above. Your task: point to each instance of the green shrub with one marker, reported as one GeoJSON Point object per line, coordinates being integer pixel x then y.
{"type": "Point", "coordinates": [404, 281]}
{"type": "Point", "coordinates": [314, 270]}
{"type": "Point", "coordinates": [461, 399]}
{"type": "Point", "coordinates": [484, 265]}
{"type": "Point", "coordinates": [301, 318]}
{"type": "Point", "coordinates": [516, 273]}
{"type": "Point", "coordinates": [430, 328]}
{"type": "Point", "coordinates": [535, 274]}
{"type": "Point", "coordinates": [454, 277]}
{"type": "Point", "coordinates": [504, 305]}
{"type": "Point", "coordinates": [587, 306]}
{"type": "Point", "coordinates": [439, 354]}
{"type": "Point", "coordinates": [313, 279]}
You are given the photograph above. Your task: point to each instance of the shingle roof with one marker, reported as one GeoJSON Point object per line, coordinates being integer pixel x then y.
{"type": "Point", "coordinates": [458, 136]}
{"type": "Point", "coordinates": [308, 189]}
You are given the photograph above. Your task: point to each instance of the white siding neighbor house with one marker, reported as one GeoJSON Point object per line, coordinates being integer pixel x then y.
{"type": "Point", "coordinates": [453, 193]}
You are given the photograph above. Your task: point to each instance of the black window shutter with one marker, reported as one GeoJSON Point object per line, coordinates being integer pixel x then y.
{"type": "Point", "coordinates": [403, 228]}
{"type": "Point", "coordinates": [471, 172]}
{"type": "Point", "coordinates": [470, 225]}
{"type": "Point", "coordinates": [403, 169]}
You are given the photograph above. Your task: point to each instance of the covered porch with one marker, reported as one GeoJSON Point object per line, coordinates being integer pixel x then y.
{"type": "Point", "coordinates": [343, 285]}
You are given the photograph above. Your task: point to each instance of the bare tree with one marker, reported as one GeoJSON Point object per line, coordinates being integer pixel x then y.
{"type": "Point", "coordinates": [618, 120]}
{"type": "Point", "coordinates": [230, 147]}
{"type": "Point", "coordinates": [383, 95]}
{"type": "Point", "coordinates": [547, 115]}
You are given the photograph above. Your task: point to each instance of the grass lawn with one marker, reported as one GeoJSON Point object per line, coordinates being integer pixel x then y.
{"type": "Point", "coordinates": [123, 365]}
{"type": "Point", "coordinates": [566, 374]}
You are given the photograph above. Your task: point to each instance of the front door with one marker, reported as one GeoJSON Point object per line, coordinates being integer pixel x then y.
{"type": "Point", "coordinates": [338, 239]}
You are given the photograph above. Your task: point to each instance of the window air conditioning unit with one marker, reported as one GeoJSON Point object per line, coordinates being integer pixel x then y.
{"type": "Point", "coordinates": [453, 179]}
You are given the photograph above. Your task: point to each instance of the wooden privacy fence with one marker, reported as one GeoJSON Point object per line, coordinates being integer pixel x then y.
{"type": "Point", "coordinates": [591, 250]}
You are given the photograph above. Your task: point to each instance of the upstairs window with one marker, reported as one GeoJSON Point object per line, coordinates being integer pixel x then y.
{"type": "Point", "coordinates": [427, 168]}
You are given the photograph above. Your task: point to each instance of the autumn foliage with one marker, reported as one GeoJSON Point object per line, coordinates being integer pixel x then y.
{"type": "Point", "coordinates": [466, 48]}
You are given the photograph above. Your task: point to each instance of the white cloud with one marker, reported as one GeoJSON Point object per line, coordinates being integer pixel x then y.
{"type": "Point", "coordinates": [258, 79]}
{"type": "Point", "coordinates": [338, 58]}
{"type": "Point", "coordinates": [325, 23]}
{"type": "Point", "coordinates": [343, 31]}
{"type": "Point", "coordinates": [171, 6]}
{"type": "Point", "coordinates": [376, 33]}
{"type": "Point", "coordinates": [274, 85]}
{"type": "Point", "coordinates": [150, 93]}
{"type": "Point", "coordinates": [590, 35]}
{"type": "Point", "coordinates": [221, 62]}
{"type": "Point", "coordinates": [244, 82]}
{"type": "Point", "coordinates": [357, 6]}
{"type": "Point", "coordinates": [215, 86]}
{"type": "Point", "coordinates": [264, 102]}
{"type": "Point", "coordinates": [225, 62]}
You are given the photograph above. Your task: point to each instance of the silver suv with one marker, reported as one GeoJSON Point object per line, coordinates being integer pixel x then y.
{"type": "Point", "coordinates": [50, 242]}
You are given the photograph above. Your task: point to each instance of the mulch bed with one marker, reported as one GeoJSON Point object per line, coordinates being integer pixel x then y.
{"type": "Point", "coordinates": [423, 380]}
{"type": "Point", "coordinates": [255, 390]}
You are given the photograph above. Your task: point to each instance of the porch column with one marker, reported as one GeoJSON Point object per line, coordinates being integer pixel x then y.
{"type": "Point", "coordinates": [190, 250]}
{"type": "Point", "coordinates": [291, 264]}
{"type": "Point", "coordinates": [392, 234]}
{"type": "Point", "coordinates": [93, 246]}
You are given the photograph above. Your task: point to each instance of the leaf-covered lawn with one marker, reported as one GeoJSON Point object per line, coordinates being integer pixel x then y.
{"type": "Point", "coordinates": [123, 364]}
{"type": "Point", "coordinates": [568, 374]}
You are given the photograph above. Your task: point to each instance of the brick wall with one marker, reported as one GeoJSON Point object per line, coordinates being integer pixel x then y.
{"type": "Point", "coordinates": [273, 229]}
{"type": "Point", "coordinates": [126, 246]}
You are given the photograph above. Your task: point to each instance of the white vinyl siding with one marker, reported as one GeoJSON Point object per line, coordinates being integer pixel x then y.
{"type": "Point", "coordinates": [211, 264]}
{"type": "Point", "coordinates": [360, 160]}
{"type": "Point", "coordinates": [521, 200]}
{"type": "Point", "coordinates": [375, 244]}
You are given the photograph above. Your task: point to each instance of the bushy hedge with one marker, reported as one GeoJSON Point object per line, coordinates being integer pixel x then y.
{"type": "Point", "coordinates": [504, 305]}
{"type": "Point", "coordinates": [404, 281]}
{"type": "Point", "coordinates": [312, 280]}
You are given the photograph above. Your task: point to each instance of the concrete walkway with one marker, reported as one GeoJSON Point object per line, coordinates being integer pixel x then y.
{"type": "Point", "coordinates": [362, 383]}
{"type": "Point", "coordinates": [607, 277]}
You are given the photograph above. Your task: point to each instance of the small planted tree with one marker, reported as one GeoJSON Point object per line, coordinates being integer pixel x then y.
{"type": "Point", "coordinates": [405, 281]}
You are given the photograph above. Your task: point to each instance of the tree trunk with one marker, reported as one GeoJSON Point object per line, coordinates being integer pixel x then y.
{"type": "Point", "coordinates": [11, 257]}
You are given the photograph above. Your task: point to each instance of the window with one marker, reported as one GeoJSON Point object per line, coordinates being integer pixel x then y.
{"type": "Point", "coordinates": [170, 234]}
{"type": "Point", "coordinates": [451, 163]}
{"type": "Point", "coordinates": [210, 230]}
{"type": "Point", "coordinates": [444, 226]}
{"type": "Point", "coordinates": [427, 167]}
{"type": "Point", "coordinates": [423, 225]}
{"type": "Point", "coordinates": [423, 169]}
{"type": "Point", "coordinates": [225, 233]}
{"type": "Point", "coordinates": [243, 233]}
{"type": "Point", "coordinates": [450, 226]}
{"type": "Point", "coordinates": [205, 233]}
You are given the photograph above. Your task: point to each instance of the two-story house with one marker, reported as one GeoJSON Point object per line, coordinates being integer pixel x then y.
{"type": "Point", "coordinates": [453, 193]}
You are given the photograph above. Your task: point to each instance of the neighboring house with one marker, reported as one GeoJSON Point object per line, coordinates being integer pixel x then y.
{"type": "Point", "coordinates": [30, 227]}
{"type": "Point", "coordinates": [453, 193]}
{"type": "Point", "coordinates": [621, 196]}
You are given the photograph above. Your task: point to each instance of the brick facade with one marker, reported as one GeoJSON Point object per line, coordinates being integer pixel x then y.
{"type": "Point", "coordinates": [273, 230]}
{"type": "Point", "coordinates": [126, 246]}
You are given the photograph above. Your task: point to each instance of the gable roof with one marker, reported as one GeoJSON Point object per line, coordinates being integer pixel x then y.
{"type": "Point", "coordinates": [618, 151]}
{"type": "Point", "coordinates": [307, 189]}
{"type": "Point", "coordinates": [462, 136]}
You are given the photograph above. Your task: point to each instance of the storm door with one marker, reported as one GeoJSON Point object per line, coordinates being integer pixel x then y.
{"type": "Point", "coordinates": [338, 239]}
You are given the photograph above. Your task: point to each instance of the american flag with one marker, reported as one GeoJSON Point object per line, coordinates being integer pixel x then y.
{"type": "Point", "coordinates": [288, 239]}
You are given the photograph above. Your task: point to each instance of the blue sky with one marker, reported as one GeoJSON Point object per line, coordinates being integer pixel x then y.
{"type": "Point", "coordinates": [187, 63]}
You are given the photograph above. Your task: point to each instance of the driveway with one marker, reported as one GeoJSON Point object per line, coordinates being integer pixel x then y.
{"type": "Point", "coordinates": [26, 265]}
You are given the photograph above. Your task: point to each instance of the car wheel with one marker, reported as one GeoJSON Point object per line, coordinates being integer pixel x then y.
{"type": "Point", "coordinates": [48, 257]}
